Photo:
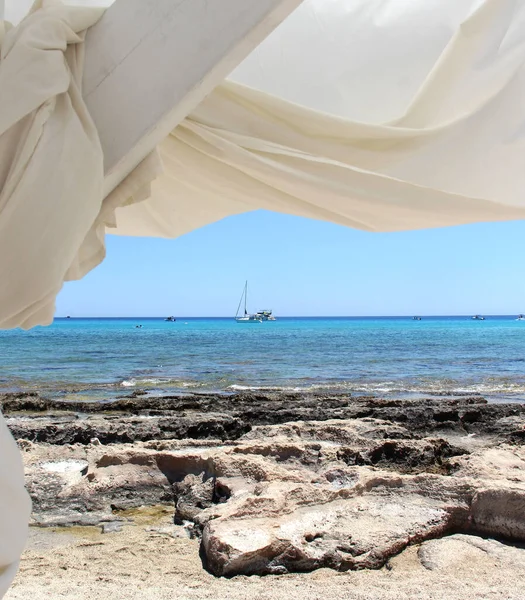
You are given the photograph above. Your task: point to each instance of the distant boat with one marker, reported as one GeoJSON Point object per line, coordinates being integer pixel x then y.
{"type": "Point", "coordinates": [170, 319]}
{"type": "Point", "coordinates": [478, 318]}
{"type": "Point", "coordinates": [68, 317]}
{"type": "Point", "coordinates": [520, 318]}
{"type": "Point", "coordinates": [416, 318]}
{"type": "Point", "coordinates": [247, 318]}
{"type": "Point", "coordinates": [265, 315]}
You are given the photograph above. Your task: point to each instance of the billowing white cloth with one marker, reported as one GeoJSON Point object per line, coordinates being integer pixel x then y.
{"type": "Point", "coordinates": [51, 163]}
{"type": "Point", "coordinates": [398, 115]}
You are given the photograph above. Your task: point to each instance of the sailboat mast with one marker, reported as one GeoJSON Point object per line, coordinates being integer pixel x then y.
{"type": "Point", "coordinates": [240, 303]}
{"type": "Point", "coordinates": [245, 297]}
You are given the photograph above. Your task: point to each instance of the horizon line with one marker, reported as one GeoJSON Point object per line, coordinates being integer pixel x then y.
{"type": "Point", "coordinates": [290, 316]}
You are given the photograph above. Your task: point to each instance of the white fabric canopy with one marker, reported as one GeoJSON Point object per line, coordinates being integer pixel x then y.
{"type": "Point", "coordinates": [389, 116]}
{"type": "Point", "coordinates": [378, 114]}
{"type": "Point", "coordinates": [383, 116]}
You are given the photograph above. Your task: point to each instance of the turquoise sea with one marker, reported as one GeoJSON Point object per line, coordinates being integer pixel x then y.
{"type": "Point", "coordinates": [101, 358]}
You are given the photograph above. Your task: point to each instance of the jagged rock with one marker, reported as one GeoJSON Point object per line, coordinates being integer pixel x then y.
{"type": "Point", "coordinates": [112, 430]}
{"type": "Point", "coordinates": [500, 513]}
{"type": "Point", "coordinates": [347, 491]}
{"type": "Point", "coordinates": [24, 445]}
{"type": "Point", "coordinates": [426, 455]}
{"type": "Point", "coordinates": [23, 401]}
{"type": "Point", "coordinates": [46, 482]}
{"type": "Point", "coordinates": [345, 534]}
{"type": "Point", "coordinates": [192, 495]}
{"type": "Point", "coordinates": [228, 417]}
{"type": "Point", "coordinates": [68, 492]}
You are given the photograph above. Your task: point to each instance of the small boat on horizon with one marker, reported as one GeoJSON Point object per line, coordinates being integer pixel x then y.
{"type": "Point", "coordinates": [416, 318]}
{"type": "Point", "coordinates": [478, 318]}
{"type": "Point", "coordinates": [265, 315]}
{"type": "Point", "coordinates": [247, 318]}
{"type": "Point", "coordinates": [521, 318]}
{"type": "Point", "coordinates": [170, 319]}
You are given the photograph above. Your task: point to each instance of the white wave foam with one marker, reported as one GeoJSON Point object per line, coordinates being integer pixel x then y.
{"type": "Point", "coordinates": [161, 381]}
{"type": "Point", "coordinates": [140, 382]}
{"type": "Point", "coordinates": [391, 387]}
{"type": "Point", "coordinates": [379, 387]}
{"type": "Point", "coordinates": [264, 388]}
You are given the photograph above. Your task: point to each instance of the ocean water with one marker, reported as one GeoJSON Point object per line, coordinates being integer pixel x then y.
{"type": "Point", "coordinates": [101, 358]}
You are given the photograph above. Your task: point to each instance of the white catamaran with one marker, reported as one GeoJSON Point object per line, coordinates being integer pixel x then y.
{"type": "Point", "coordinates": [246, 318]}
{"type": "Point", "coordinates": [265, 315]}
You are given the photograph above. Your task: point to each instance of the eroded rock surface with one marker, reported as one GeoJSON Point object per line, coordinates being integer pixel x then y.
{"type": "Point", "coordinates": [347, 491]}
{"type": "Point", "coordinates": [228, 417]}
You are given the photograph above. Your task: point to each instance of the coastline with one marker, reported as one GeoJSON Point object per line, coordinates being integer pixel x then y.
{"type": "Point", "coordinates": [345, 496]}
{"type": "Point", "coordinates": [95, 359]}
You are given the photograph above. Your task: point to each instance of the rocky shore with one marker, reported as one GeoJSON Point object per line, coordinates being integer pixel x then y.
{"type": "Point", "coordinates": [272, 484]}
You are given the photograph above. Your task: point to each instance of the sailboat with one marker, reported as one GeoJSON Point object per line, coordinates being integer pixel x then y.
{"type": "Point", "coordinates": [247, 318]}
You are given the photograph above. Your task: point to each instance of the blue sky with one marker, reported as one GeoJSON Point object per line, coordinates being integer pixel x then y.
{"type": "Point", "coordinates": [301, 267]}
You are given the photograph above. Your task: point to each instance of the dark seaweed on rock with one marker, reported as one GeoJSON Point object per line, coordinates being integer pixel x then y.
{"type": "Point", "coordinates": [227, 417]}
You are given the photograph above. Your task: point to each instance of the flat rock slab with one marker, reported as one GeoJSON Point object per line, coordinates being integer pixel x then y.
{"type": "Point", "coordinates": [453, 552]}
{"type": "Point", "coordinates": [361, 532]}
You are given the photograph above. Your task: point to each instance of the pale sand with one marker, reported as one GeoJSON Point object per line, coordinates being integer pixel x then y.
{"type": "Point", "coordinates": [82, 563]}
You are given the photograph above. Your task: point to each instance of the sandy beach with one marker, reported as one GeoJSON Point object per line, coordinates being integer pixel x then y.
{"type": "Point", "coordinates": [137, 564]}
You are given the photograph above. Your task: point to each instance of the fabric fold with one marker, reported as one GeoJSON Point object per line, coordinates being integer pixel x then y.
{"type": "Point", "coordinates": [51, 168]}
{"type": "Point", "coordinates": [454, 156]}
